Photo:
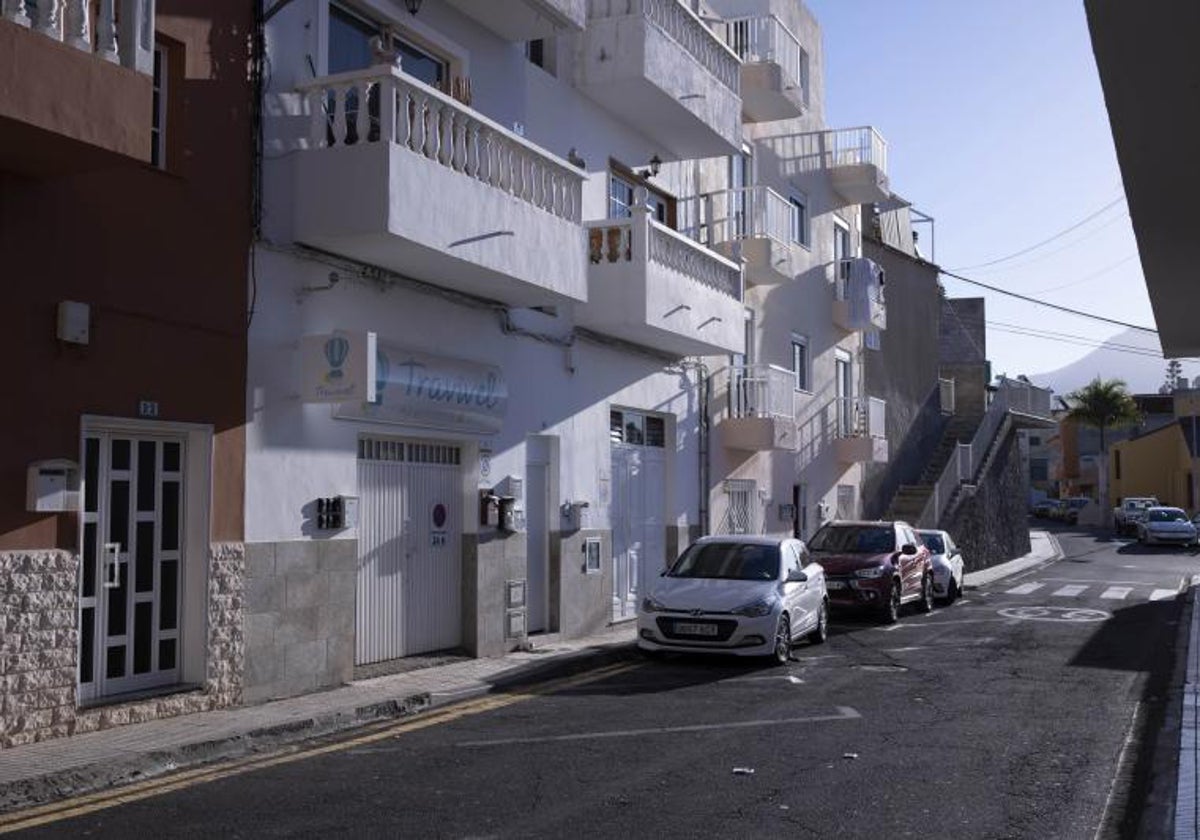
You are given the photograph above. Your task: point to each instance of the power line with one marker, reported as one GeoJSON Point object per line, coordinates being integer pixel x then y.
{"type": "Point", "coordinates": [1060, 308]}
{"type": "Point", "coordinates": [1058, 235]}
{"type": "Point", "coordinates": [1087, 277]}
{"type": "Point", "coordinates": [1064, 247]}
{"type": "Point", "coordinates": [1075, 340]}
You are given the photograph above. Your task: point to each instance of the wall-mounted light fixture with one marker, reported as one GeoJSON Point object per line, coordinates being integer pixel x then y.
{"type": "Point", "coordinates": [413, 6]}
{"type": "Point", "coordinates": [652, 169]}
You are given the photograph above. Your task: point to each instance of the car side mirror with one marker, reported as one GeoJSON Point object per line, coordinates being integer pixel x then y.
{"type": "Point", "coordinates": [908, 548]}
{"type": "Point", "coordinates": [797, 576]}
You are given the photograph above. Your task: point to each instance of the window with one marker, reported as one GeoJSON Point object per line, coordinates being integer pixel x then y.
{"type": "Point", "coordinates": [1116, 463]}
{"type": "Point", "coordinates": [1039, 469]}
{"type": "Point", "coordinates": [158, 116]}
{"type": "Point", "coordinates": [637, 429]}
{"type": "Point", "coordinates": [847, 507]}
{"type": "Point", "coordinates": [1034, 440]}
{"type": "Point", "coordinates": [800, 361]}
{"type": "Point", "coordinates": [800, 500]}
{"type": "Point", "coordinates": [799, 219]}
{"type": "Point", "coordinates": [542, 53]}
{"type": "Point", "coordinates": [621, 191]}
{"type": "Point", "coordinates": [841, 253]}
{"type": "Point", "coordinates": [350, 48]}
{"type": "Point", "coordinates": [739, 516]}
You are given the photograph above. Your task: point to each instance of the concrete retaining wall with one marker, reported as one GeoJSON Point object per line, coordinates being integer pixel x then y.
{"type": "Point", "coordinates": [991, 527]}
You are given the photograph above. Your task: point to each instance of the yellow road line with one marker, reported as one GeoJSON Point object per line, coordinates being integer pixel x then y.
{"type": "Point", "coordinates": [90, 803]}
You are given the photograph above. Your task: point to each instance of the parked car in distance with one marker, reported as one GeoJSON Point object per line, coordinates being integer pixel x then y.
{"type": "Point", "coordinates": [737, 594]}
{"type": "Point", "coordinates": [1129, 511]}
{"type": "Point", "coordinates": [947, 563]}
{"type": "Point", "coordinates": [1041, 510]}
{"type": "Point", "coordinates": [1073, 506]}
{"type": "Point", "coordinates": [1166, 525]}
{"type": "Point", "coordinates": [877, 565]}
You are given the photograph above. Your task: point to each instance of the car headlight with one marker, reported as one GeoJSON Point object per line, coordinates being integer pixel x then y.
{"type": "Point", "coordinates": [873, 572]}
{"type": "Point", "coordinates": [756, 609]}
{"type": "Point", "coordinates": [650, 605]}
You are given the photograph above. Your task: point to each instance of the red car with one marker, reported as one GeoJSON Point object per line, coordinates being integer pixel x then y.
{"type": "Point", "coordinates": [874, 565]}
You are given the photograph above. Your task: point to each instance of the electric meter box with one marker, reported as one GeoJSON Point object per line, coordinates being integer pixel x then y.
{"type": "Point", "coordinates": [52, 486]}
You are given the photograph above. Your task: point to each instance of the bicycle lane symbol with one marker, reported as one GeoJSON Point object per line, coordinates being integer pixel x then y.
{"type": "Point", "coordinates": [1067, 614]}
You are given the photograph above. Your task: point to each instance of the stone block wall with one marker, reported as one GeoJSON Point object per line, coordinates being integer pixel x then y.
{"type": "Point", "coordinates": [299, 606]}
{"type": "Point", "coordinates": [39, 645]}
{"type": "Point", "coordinates": [39, 649]}
{"type": "Point", "coordinates": [992, 527]}
{"type": "Point", "coordinates": [585, 598]}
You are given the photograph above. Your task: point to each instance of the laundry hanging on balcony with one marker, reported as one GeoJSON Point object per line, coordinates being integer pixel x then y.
{"type": "Point", "coordinates": [864, 288]}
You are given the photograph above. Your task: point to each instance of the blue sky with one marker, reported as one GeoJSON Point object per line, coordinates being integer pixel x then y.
{"type": "Point", "coordinates": [996, 127]}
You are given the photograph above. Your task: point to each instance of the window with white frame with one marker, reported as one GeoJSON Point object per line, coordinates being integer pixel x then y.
{"type": "Point", "coordinates": [800, 361]}
{"type": "Point", "coordinates": [739, 515]}
{"type": "Point", "coordinates": [841, 251]}
{"type": "Point", "coordinates": [799, 203]}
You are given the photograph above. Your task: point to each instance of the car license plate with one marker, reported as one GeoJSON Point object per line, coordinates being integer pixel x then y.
{"type": "Point", "coordinates": [694, 629]}
{"type": "Point", "coordinates": [834, 584]}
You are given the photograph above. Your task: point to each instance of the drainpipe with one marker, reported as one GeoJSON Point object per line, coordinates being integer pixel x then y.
{"type": "Point", "coordinates": [702, 437]}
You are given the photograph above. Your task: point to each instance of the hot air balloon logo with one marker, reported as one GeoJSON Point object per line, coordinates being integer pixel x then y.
{"type": "Point", "coordinates": [336, 351]}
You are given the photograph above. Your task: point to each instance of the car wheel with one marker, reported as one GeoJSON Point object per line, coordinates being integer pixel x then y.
{"type": "Point", "coordinates": [951, 592]}
{"type": "Point", "coordinates": [821, 632]}
{"type": "Point", "coordinates": [891, 607]}
{"type": "Point", "coordinates": [926, 603]}
{"type": "Point", "coordinates": [783, 642]}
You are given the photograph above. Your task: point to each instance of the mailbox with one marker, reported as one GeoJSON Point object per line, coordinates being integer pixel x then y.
{"type": "Point", "coordinates": [52, 486]}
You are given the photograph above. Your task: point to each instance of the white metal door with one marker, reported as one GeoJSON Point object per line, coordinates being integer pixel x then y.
{"type": "Point", "coordinates": [638, 515]}
{"type": "Point", "coordinates": [132, 567]}
{"type": "Point", "coordinates": [409, 597]}
{"type": "Point", "coordinates": [537, 506]}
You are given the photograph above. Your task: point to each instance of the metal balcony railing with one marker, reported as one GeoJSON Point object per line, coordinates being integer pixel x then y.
{"type": "Point", "coordinates": [749, 213]}
{"type": "Point", "coordinates": [763, 40]}
{"type": "Point", "coordinates": [816, 150]}
{"type": "Point", "coordinates": [409, 113]}
{"type": "Point", "coordinates": [858, 417]}
{"type": "Point", "coordinates": [683, 27]}
{"type": "Point", "coordinates": [762, 391]}
{"type": "Point", "coordinates": [120, 31]}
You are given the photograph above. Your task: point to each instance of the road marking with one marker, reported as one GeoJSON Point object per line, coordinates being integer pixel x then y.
{"type": "Point", "coordinates": [89, 803]}
{"type": "Point", "coordinates": [1024, 589]}
{"type": "Point", "coordinates": [1069, 591]}
{"type": "Point", "coordinates": [843, 713]}
{"type": "Point", "coordinates": [1163, 594]}
{"type": "Point", "coordinates": [1116, 593]}
{"type": "Point", "coordinates": [913, 624]}
{"type": "Point", "coordinates": [1067, 614]}
{"type": "Point", "coordinates": [964, 644]}
{"type": "Point", "coordinates": [788, 677]}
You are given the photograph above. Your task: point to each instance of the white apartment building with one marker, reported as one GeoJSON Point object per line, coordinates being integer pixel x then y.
{"type": "Point", "coordinates": [546, 289]}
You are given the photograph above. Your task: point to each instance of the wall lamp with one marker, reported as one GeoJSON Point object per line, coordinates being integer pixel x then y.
{"type": "Point", "coordinates": [652, 169]}
{"type": "Point", "coordinates": [413, 6]}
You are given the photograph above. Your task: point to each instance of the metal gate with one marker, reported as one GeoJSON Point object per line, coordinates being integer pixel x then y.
{"type": "Point", "coordinates": [409, 596]}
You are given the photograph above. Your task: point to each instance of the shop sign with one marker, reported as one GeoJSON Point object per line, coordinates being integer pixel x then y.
{"type": "Point", "coordinates": [338, 366]}
{"type": "Point", "coordinates": [420, 389]}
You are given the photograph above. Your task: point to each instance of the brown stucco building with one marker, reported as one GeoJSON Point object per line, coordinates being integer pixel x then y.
{"type": "Point", "coordinates": [125, 222]}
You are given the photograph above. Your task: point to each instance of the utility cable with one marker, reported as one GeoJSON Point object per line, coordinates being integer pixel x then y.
{"type": "Point", "coordinates": [1056, 306]}
{"type": "Point", "coordinates": [1058, 235]}
{"type": "Point", "coordinates": [1085, 278]}
{"type": "Point", "coordinates": [1064, 247]}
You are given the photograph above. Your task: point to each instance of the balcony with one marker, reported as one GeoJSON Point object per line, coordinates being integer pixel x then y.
{"type": "Point", "coordinates": [77, 89]}
{"type": "Point", "coordinates": [421, 184]}
{"type": "Point", "coordinates": [756, 225]}
{"type": "Point", "coordinates": [526, 20]}
{"type": "Point", "coordinates": [774, 68]}
{"type": "Point", "coordinates": [761, 412]}
{"type": "Point", "coordinates": [656, 66]}
{"type": "Point", "coordinates": [652, 286]}
{"type": "Point", "coordinates": [858, 301]}
{"type": "Point", "coordinates": [855, 158]}
{"type": "Point", "coordinates": [859, 430]}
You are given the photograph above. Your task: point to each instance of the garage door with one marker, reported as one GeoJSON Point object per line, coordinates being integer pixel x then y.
{"type": "Point", "coordinates": [409, 597]}
{"type": "Point", "coordinates": [638, 506]}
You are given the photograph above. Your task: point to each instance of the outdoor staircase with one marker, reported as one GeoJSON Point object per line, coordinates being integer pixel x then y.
{"type": "Point", "coordinates": [909, 502]}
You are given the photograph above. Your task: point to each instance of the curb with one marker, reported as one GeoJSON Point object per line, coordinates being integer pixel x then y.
{"type": "Point", "coordinates": [101, 775]}
{"type": "Point", "coordinates": [982, 577]}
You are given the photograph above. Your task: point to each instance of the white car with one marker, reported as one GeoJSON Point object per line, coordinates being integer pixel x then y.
{"type": "Point", "coordinates": [947, 565]}
{"type": "Point", "coordinates": [735, 594]}
{"type": "Point", "coordinates": [1166, 525]}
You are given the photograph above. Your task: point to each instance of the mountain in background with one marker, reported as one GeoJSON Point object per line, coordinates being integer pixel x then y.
{"type": "Point", "coordinates": [1143, 374]}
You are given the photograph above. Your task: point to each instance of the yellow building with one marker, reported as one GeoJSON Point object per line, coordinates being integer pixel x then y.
{"type": "Point", "coordinates": [1160, 463]}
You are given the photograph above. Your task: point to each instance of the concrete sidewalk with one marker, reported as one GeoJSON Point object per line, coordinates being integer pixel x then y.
{"type": "Point", "coordinates": [50, 770]}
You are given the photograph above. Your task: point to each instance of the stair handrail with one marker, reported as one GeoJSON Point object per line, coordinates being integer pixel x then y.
{"type": "Point", "coordinates": [963, 465]}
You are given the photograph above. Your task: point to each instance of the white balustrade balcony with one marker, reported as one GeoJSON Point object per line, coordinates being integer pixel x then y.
{"type": "Point", "coordinates": [526, 20]}
{"type": "Point", "coordinates": [652, 286]}
{"type": "Point", "coordinates": [400, 175]}
{"type": "Point", "coordinates": [774, 68]}
{"type": "Point", "coordinates": [756, 225]}
{"type": "Point", "coordinates": [855, 158]}
{"type": "Point", "coordinates": [761, 407]}
{"type": "Point", "coordinates": [658, 67]}
{"type": "Point", "coordinates": [860, 431]}
{"type": "Point", "coordinates": [66, 103]}
{"type": "Point", "coordinates": [858, 298]}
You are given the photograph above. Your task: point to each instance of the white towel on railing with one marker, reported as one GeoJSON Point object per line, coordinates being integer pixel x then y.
{"type": "Point", "coordinates": [863, 288]}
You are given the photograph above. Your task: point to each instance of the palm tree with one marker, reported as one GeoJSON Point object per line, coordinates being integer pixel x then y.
{"type": "Point", "coordinates": [1103, 404]}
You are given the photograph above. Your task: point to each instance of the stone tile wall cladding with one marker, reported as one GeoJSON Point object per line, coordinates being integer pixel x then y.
{"type": "Point", "coordinates": [992, 527]}
{"type": "Point", "coordinates": [39, 648]}
{"type": "Point", "coordinates": [299, 616]}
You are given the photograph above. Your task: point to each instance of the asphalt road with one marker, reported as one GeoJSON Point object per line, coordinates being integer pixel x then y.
{"type": "Point", "coordinates": [1010, 714]}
